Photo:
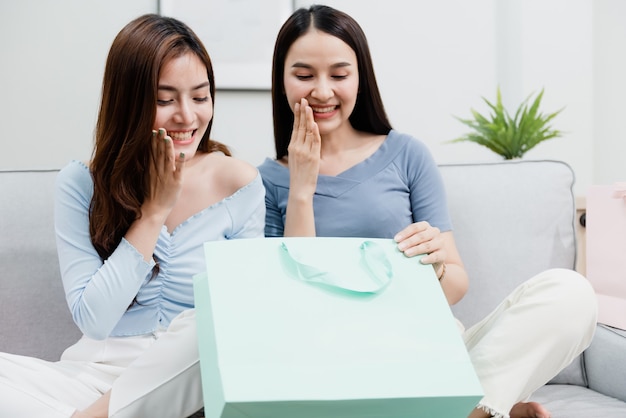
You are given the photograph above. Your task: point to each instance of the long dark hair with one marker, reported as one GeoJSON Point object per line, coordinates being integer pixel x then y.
{"type": "Point", "coordinates": [369, 113]}
{"type": "Point", "coordinates": [122, 153]}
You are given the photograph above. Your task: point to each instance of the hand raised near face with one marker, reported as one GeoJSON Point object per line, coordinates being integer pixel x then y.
{"type": "Point", "coordinates": [166, 173]}
{"type": "Point", "coordinates": [304, 151]}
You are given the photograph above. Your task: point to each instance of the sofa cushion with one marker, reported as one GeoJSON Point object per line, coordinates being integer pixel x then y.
{"type": "Point", "coordinates": [574, 374]}
{"type": "Point", "coordinates": [34, 317]}
{"type": "Point", "coordinates": [507, 231]}
{"type": "Point", "coordinates": [570, 401]}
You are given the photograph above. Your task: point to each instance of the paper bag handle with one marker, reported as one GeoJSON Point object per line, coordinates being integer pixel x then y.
{"type": "Point", "coordinates": [373, 261]}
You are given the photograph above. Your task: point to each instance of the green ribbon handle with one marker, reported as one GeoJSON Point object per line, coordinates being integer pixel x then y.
{"type": "Point", "coordinates": [373, 261]}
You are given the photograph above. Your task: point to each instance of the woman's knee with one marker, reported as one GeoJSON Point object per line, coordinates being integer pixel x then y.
{"type": "Point", "coordinates": [572, 295]}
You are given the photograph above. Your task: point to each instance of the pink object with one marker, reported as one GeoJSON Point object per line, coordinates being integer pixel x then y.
{"type": "Point", "coordinates": [606, 251]}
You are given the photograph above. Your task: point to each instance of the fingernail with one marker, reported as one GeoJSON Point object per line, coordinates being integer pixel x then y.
{"type": "Point", "coordinates": [161, 131]}
{"type": "Point", "coordinates": [182, 155]}
{"type": "Point", "coordinates": [153, 133]}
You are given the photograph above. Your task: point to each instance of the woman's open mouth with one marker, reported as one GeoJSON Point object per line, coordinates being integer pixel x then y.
{"type": "Point", "coordinates": [324, 112]}
{"type": "Point", "coordinates": [182, 137]}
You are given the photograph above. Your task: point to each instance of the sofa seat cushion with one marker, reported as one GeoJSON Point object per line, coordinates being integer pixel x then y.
{"type": "Point", "coordinates": [571, 401]}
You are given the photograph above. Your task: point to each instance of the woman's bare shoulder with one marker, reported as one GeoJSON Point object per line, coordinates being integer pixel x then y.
{"type": "Point", "coordinates": [232, 170]}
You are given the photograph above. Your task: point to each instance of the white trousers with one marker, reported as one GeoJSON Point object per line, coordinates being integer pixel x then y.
{"type": "Point", "coordinates": [149, 376]}
{"type": "Point", "coordinates": [539, 329]}
{"type": "Point", "coordinates": [532, 335]}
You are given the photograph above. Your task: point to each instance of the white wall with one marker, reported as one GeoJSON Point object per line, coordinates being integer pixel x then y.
{"type": "Point", "coordinates": [556, 53]}
{"type": "Point", "coordinates": [609, 110]}
{"type": "Point", "coordinates": [433, 60]}
{"type": "Point", "coordinates": [53, 55]}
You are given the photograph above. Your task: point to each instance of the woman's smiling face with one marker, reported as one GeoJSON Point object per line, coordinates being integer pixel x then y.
{"type": "Point", "coordinates": [322, 69]}
{"type": "Point", "coordinates": [184, 105]}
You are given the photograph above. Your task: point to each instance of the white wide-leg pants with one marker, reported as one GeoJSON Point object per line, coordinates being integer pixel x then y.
{"type": "Point", "coordinates": [540, 328]}
{"type": "Point", "coordinates": [149, 376]}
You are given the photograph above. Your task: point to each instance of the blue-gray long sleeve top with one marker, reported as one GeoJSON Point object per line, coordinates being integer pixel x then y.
{"type": "Point", "coordinates": [99, 293]}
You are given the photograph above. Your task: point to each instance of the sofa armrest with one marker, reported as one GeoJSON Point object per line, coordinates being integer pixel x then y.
{"type": "Point", "coordinates": [34, 317]}
{"type": "Point", "coordinates": [605, 362]}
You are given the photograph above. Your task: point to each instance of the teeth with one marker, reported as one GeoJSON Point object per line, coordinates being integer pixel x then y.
{"type": "Point", "coordinates": [180, 136]}
{"type": "Point", "coordinates": [324, 109]}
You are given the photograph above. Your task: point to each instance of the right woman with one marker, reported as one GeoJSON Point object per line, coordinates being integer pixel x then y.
{"type": "Point", "coordinates": [341, 170]}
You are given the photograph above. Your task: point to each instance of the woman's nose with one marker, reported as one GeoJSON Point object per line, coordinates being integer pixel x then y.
{"type": "Point", "coordinates": [322, 90]}
{"type": "Point", "coordinates": [184, 113]}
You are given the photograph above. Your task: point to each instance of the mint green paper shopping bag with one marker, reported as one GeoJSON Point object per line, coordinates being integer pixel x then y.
{"type": "Point", "coordinates": [327, 327]}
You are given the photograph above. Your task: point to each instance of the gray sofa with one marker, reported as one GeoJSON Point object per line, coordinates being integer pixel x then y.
{"type": "Point", "coordinates": [511, 220]}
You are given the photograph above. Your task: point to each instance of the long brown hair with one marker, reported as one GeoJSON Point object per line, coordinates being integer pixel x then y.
{"type": "Point", "coordinates": [122, 153]}
{"type": "Point", "coordinates": [369, 113]}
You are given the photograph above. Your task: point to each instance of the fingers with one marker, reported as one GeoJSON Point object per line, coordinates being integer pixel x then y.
{"type": "Point", "coordinates": [166, 171]}
{"type": "Point", "coordinates": [304, 126]}
{"type": "Point", "coordinates": [296, 120]}
{"type": "Point", "coordinates": [179, 165]}
{"type": "Point", "coordinates": [171, 163]}
{"type": "Point", "coordinates": [299, 122]}
{"type": "Point", "coordinates": [414, 228]}
{"type": "Point", "coordinates": [156, 146]}
{"type": "Point", "coordinates": [163, 149]}
{"type": "Point", "coordinates": [303, 108]}
{"type": "Point", "coordinates": [421, 238]}
{"type": "Point", "coordinates": [308, 132]}
{"type": "Point", "coordinates": [304, 152]}
{"type": "Point", "coordinates": [312, 135]}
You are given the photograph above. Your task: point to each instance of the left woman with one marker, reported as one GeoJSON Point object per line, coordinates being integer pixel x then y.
{"type": "Point", "coordinates": [130, 226]}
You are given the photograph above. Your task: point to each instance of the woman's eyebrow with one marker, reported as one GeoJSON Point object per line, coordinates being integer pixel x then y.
{"type": "Point", "coordinates": [307, 66]}
{"type": "Point", "coordinates": [172, 88]}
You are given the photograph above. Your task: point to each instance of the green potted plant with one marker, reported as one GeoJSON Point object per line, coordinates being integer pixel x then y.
{"type": "Point", "coordinates": [510, 137]}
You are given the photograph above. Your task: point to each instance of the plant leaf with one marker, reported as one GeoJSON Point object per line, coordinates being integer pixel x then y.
{"type": "Point", "coordinates": [510, 137]}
